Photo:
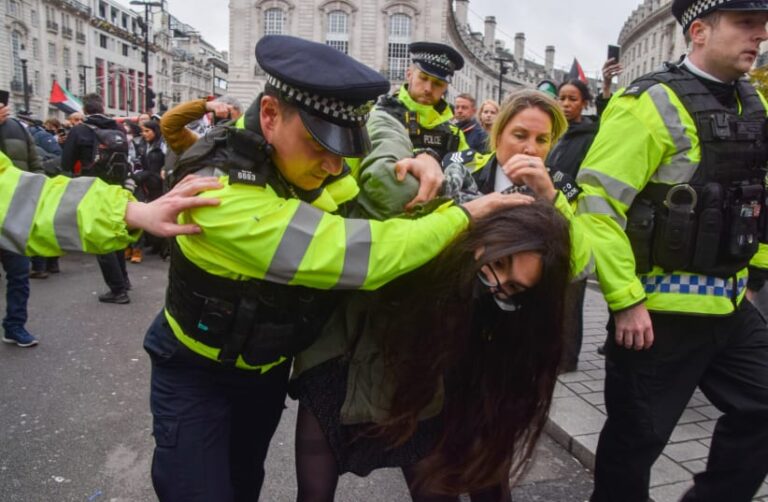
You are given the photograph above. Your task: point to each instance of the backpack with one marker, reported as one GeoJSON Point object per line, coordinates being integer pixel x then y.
{"type": "Point", "coordinates": [110, 155]}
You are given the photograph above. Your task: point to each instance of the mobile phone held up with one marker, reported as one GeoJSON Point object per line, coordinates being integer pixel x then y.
{"type": "Point", "coordinates": [614, 51]}
{"type": "Point", "coordinates": [4, 96]}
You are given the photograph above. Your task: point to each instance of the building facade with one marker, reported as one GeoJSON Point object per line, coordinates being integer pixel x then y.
{"type": "Point", "coordinates": [377, 32]}
{"type": "Point", "coordinates": [652, 36]}
{"type": "Point", "coordinates": [89, 46]}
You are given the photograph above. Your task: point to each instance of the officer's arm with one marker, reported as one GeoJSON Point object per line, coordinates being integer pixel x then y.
{"type": "Point", "coordinates": [258, 235]}
{"type": "Point", "coordinates": [41, 216]}
{"type": "Point", "coordinates": [626, 152]}
{"type": "Point", "coordinates": [174, 122]}
{"type": "Point", "coordinates": [382, 196]}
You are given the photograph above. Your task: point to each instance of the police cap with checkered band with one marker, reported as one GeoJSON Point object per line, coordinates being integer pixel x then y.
{"type": "Point", "coordinates": [333, 92]}
{"type": "Point", "coordinates": [437, 60]}
{"type": "Point", "coordinates": [687, 11]}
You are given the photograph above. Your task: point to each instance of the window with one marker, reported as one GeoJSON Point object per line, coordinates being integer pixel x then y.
{"type": "Point", "coordinates": [36, 49]}
{"type": "Point", "coordinates": [125, 49]}
{"type": "Point", "coordinates": [274, 22]}
{"type": "Point", "coordinates": [51, 52]}
{"type": "Point", "coordinates": [102, 10]}
{"type": "Point", "coordinates": [65, 20]}
{"type": "Point", "coordinates": [13, 8]}
{"type": "Point", "coordinates": [125, 21]}
{"type": "Point", "coordinates": [397, 50]}
{"type": "Point", "coordinates": [103, 41]}
{"type": "Point", "coordinates": [37, 79]}
{"type": "Point", "coordinates": [338, 31]}
{"type": "Point", "coordinates": [16, 55]}
{"type": "Point", "coordinates": [34, 18]}
{"type": "Point", "coordinates": [67, 57]}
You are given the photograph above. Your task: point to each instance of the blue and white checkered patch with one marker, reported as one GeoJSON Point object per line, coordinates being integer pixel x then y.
{"type": "Point", "coordinates": [691, 284]}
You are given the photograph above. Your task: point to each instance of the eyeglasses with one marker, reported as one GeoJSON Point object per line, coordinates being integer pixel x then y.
{"type": "Point", "coordinates": [511, 303]}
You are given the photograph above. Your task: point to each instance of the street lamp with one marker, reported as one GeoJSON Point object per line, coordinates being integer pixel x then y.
{"type": "Point", "coordinates": [83, 67]}
{"type": "Point", "coordinates": [503, 70]}
{"type": "Point", "coordinates": [146, 5]}
{"type": "Point", "coordinates": [23, 61]}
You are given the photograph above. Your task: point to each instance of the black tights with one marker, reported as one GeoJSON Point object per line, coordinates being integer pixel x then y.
{"type": "Point", "coordinates": [318, 474]}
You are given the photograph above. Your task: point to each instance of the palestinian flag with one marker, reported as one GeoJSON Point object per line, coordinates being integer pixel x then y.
{"type": "Point", "coordinates": [64, 100]}
{"type": "Point", "coordinates": [576, 72]}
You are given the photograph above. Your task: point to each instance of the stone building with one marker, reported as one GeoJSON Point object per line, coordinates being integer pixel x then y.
{"type": "Point", "coordinates": [377, 32]}
{"type": "Point", "coordinates": [652, 36]}
{"type": "Point", "coordinates": [92, 46]}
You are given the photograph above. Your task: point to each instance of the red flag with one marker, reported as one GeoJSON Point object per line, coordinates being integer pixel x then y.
{"type": "Point", "coordinates": [576, 72]}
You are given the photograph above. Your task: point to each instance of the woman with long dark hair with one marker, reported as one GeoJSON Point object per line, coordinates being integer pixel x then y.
{"type": "Point", "coordinates": [448, 372]}
{"type": "Point", "coordinates": [150, 154]}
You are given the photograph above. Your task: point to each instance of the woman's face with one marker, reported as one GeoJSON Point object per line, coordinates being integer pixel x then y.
{"type": "Point", "coordinates": [572, 102]}
{"type": "Point", "coordinates": [148, 134]}
{"type": "Point", "coordinates": [488, 115]}
{"type": "Point", "coordinates": [513, 274]}
{"type": "Point", "coordinates": [529, 132]}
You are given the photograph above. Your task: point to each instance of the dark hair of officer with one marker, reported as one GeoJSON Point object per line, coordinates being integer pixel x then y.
{"type": "Point", "coordinates": [500, 367]}
{"type": "Point", "coordinates": [93, 104]}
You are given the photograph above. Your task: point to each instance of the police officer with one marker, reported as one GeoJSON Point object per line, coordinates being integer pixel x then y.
{"type": "Point", "coordinates": [240, 301]}
{"type": "Point", "coordinates": [413, 123]}
{"type": "Point", "coordinates": [673, 196]}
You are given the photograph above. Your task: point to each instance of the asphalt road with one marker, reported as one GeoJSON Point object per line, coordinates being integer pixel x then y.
{"type": "Point", "coordinates": [74, 413]}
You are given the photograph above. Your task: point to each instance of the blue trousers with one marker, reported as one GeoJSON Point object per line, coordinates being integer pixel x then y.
{"type": "Point", "coordinates": [212, 424]}
{"type": "Point", "coordinates": [16, 269]}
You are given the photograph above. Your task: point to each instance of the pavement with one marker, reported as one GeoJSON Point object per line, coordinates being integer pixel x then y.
{"type": "Point", "coordinates": [578, 414]}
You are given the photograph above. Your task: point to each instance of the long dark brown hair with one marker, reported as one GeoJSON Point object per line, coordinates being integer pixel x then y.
{"type": "Point", "coordinates": [499, 367]}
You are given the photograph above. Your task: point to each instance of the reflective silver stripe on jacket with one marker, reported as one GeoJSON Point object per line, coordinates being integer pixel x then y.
{"type": "Point", "coordinates": [679, 169]}
{"type": "Point", "coordinates": [65, 220]}
{"type": "Point", "coordinates": [357, 254]}
{"type": "Point", "coordinates": [14, 234]}
{"type": "Point", "coordinates": [588, 269]}
{"type": "Point", "coordinates": [595, 204]}
{"type": "Point", "coordinates": [294, 244]}
{"type": "Point", "coordinates": [618, 190]}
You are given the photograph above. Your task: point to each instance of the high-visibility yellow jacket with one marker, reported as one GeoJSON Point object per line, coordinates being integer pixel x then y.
{"type": "Point", "coordinates": [256, 234]}
{"type": "Point", "coordinates": [41, 216]}
{"type": "Point", "coordinates": [649, 138]}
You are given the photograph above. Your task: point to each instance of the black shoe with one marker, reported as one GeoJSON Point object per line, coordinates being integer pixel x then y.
{"type": "Point", "coordinates": [601, 349]}
{"type": "Point", "coordinates": [112, 297]}
{"type": "Point", "coordinates": [38, 274]}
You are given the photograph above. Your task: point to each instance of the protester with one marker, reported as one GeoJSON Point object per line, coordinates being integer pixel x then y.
{"type": "Point", "coordinates": [342, 396]}
{"type": "Point", "coordinates": [84, 154]}
{"type": "Point", "coordinates": [18, 145]}
{"type": "Point", "coordinates": [175, 121]}
{"type": "Point", "coordinates": [438, 367]}
{"type": "Point", "coordinates": [486, 115]}
{"type": "Point", "coordinates": [464, 109]}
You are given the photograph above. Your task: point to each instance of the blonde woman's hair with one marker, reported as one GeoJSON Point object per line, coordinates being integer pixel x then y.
{"type": "Point", "coordinates": [522, 100]}
{"type": "Point", "coordinates": [487, 102]}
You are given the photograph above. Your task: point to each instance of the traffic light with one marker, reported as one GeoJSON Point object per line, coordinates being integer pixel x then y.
{"type": "Point", "coordinates": [150, 99]}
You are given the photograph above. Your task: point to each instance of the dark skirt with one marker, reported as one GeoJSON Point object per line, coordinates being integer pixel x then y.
{"type": "Point", "coordinates": [322, 390]}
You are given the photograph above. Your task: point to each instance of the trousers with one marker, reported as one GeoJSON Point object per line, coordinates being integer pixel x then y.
{"type": "Point", "coordinates": [113, 270]}
{"type": "Point", "coordinates": [647, 391]}
{"type": "Point", "coordinates": [212, 424]}
{"type": "Point", "coordinates": [16, 269]}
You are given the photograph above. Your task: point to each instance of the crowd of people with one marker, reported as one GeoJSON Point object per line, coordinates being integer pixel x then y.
{"type": "Point", "coordinates": [413, 273]}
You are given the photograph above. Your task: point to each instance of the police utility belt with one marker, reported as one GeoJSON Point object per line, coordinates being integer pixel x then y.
{"type": "Point", "coordinates": [713, 224]}
{"type": "Point", "coordinates": [257, 320]}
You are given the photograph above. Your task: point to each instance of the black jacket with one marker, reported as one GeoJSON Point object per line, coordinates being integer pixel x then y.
{"type": "Point", "coordinates": [569, 152]}
{"type": "Point", "coordinates": [477, 138]}
{"type": "Point", "coordinates": [78, 148]}
{"type": "Point", "coordinates": [18, 145]}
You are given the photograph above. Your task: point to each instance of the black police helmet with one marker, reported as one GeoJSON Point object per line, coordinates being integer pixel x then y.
{"type": "Point", "coordinates": [333, 92]}
{"type": "Point", "coordinates": [687, 11]}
